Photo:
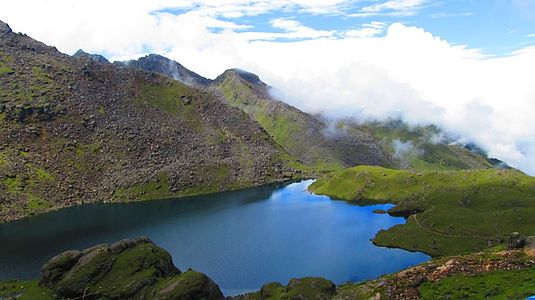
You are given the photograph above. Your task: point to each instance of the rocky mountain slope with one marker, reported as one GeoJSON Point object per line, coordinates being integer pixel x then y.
{"type": "Point", "coordinates": [170, 68]}
{"type": "Point", "coordinates": [305, 137]}
{"type": "Point", "coordinates": [80, 129]}
{"type": "Point", "coordinates": [73, 130]}
{"type": "Point", "coordinates": [326, 145]}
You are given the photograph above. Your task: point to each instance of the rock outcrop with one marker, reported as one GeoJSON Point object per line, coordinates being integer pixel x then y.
{"type": "Point", "coordinates": [95, 57]}
{"type": "Point", "coordinates": [298, 288]}
{"type": "Point", "coordinates": [128, 269]}
{"type": "Point", "coordinates": [162, 65]}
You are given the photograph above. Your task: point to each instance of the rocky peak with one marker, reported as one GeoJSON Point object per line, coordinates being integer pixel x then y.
{"type": "Point", "coordinates": [95, 57]}
{"type": "Point", "coordinates": [167, 67]}
{"type": "Point", "coordinates": [242, 75]}
{"type": "Point", "coordinates": [4, 28]}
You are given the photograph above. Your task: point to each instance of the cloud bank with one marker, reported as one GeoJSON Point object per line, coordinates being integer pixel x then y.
{"type": "Point", "coordinates": [373, 71]}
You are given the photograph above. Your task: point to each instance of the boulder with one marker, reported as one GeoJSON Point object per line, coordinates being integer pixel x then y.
{"type": "Point", "coordinates": [127, 269]}
{"type": "Point", "coordinates": [189, 285]}
{"type": "Point", "coordinates": [516, 241]}
{"type": "Point", "coordinates": [57, 266]}
{"type": "Point", "coordinates": [529, 248]}
{"type": "Point", "coordinates": [311, 288]}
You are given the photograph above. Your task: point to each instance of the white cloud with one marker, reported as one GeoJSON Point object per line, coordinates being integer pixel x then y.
{"type": "Point", "coordinates": [392, 8]}
{"type": "Point", "coordinates": [408, 72]}
{"type": "Point", "coordinates": [294, 30]}
{"type": "Point", "coordinates": [452, 15]}
{"type": "Point", "coordinates": [368, 30]}
{"type": "Point", "coordinates": [531, 35]}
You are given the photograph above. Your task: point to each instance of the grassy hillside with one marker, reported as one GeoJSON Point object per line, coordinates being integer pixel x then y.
{"type": "Point", "coordinates": [450, 212]}
{"type": "Point", "coordinates": [305, 137]}
{"type": "Point", "coordinates": [425, 147]}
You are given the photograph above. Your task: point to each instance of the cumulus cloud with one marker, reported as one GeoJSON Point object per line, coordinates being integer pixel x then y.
{"type": "Point", "coordinates": [374, 72]}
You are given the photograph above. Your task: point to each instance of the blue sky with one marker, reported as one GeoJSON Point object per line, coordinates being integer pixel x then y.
{"type": "Point", "coordinates": [496, 27]}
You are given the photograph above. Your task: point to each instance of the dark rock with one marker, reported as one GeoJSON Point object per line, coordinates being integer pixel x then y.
{"type": "Point", "coordinates": [4, 28]}
{"type": "Point", "coordinates": [162, 65]}
{"type": "Point", "coordinates": [57, 266]}
{"type": "Point", "coordinates": [516, 241]}
{"type": "Point", "coordinates": [87, 271]}
{"type": "Point", "coordinates": [529, 248]}
{"type": "Point", "coordinates": [190, 285]}
{"type": "Point", "coordinates": [128, 269]}
{"type": "Point", "coordinates": [95, 57]}
{"type": "Point", "coordinates": [311, 288]}
{"type": "Point", "coordinates": [301, 288]}
{"type": "Point", "coordinates": [122, 245]}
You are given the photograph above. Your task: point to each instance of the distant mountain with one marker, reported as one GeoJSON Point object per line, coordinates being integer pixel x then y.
{"type": "Point", "coordinates": [323, 145]}
{"type": "Point", "coordinates": [162, 65]}
{"type": "Point", "coordinates": [95, 57]}
{"type": "Point", "coordinates": [309, 138]}
{"type": "Point", "coordinates": [73, 130]}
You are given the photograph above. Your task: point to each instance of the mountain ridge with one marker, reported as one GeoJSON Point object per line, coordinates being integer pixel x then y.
{"type": "Point", "coordinates": [76, 131]}
{"type": "Point", "coordinates": [323, 137]}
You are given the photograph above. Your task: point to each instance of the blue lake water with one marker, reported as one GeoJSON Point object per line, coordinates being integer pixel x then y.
{"type": "Point", "coordinates": [240, 239]}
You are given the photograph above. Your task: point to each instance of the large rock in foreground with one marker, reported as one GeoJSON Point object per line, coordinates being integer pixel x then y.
{"type": "Point", "coordinates": [128, 269]}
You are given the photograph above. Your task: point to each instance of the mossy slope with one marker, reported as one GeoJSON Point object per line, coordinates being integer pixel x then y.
{"type": "Point", "coordinates": [425, 147]}
{"type": "Point", "coordinates": [307, 138]}
{"type": "Point", "coordinates": [450, 212]}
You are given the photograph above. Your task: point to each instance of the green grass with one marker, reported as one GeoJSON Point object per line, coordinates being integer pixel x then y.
{"type": "Point", "coordinates": [3, 158]}
{"type": "Point", "coordinates": [128, 269]}
{"type": "Point", "coordinates": [4, 69]}
{"type": "Point", "coordinates": [285, 126]}
{"type": "Point", "coordinates": [24, 290]}
{"type": "Point", "coordinates": [517, 284]}
{"type": "Point", "coordinates": [281, 127]}
{"type": "Point", "coordinates": [459, 211]}
{"type": "Point", "coordinates": [37, 204]}
{"type": "Point", "coordinates": [214, 179]}
{"type": "Point", "coordinates": [174, 98]}
{"type": "Point", "coordinates": [43, 175]}
{"type": "Point", "coordinates": [14, 184]}
{"type": "Point", "coordinates": [166, 98]}
{"type": "Point", "coordinates": [158, 189]}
